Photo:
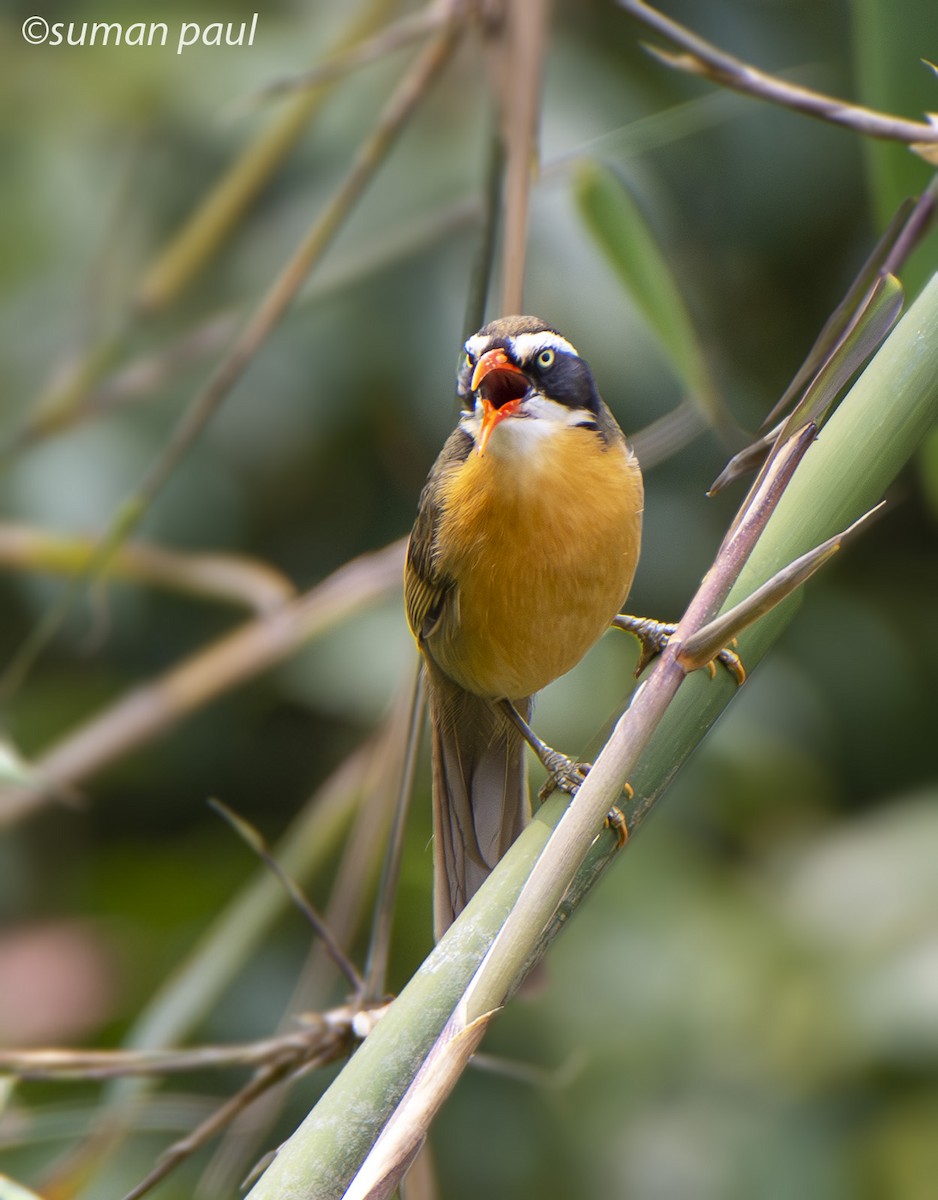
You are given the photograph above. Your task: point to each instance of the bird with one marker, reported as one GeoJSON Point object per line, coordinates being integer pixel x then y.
{"type": "Point", "coordinates": [522, 553]}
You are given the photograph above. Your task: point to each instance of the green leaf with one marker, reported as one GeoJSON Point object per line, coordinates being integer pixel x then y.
{"type": "Point", "coordinates": [702, 647]}
{"type": "Point", "coordinates": [852, 334]}
{"type": "Point", "coordinates": [862, 298]}
{"type": "Point", "coordinates": [860, 339]}
{"type": "Point", "coordinates": [617, 223]}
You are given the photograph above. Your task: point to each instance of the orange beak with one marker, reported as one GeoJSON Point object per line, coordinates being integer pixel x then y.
{"type": "Point", "coordinates": [491, 417]}
{"type": "Point", "coordinates": [502, 386]}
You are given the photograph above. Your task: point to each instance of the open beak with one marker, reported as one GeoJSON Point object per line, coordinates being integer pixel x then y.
{"type": "Point", "coordinates": [502, 386]}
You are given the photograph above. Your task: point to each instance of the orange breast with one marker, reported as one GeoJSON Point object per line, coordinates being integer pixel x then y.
{"type": "Point", "coordinates": [543, 548]}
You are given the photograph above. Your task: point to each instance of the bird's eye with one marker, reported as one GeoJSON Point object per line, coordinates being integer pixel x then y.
{"type": "Point", "coordinates": [546, 358]}
{"type": "Point", "coordinates": [470, 361]}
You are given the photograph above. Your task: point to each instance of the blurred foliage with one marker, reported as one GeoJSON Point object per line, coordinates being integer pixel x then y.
{"type": "Point", "coordinates": [749, 1005]}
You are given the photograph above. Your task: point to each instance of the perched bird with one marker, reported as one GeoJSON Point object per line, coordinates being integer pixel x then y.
{"type": "Point", "coordinates": [523, 551]}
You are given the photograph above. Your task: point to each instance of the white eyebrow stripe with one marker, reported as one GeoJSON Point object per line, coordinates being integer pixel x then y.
{"type": "Point", "coordinates": [527, 346]}
{"type": "Point", "coordinates": [475, 346]}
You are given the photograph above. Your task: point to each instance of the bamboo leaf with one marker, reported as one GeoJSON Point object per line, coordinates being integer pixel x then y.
{"type": "Point", "coordinates": [862, 335]}
{"type": "Point", "coordinates": [845, 313]}
{"type": "Point", "coordinates": [619, 227]}
{"type": "Point", "coordinates": [849, 338]}
{"type": "Point", "coordinates": [700, 649]}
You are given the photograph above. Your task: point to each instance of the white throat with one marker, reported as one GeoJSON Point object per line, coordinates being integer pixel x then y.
{"type": "Point", "coordinates": [519, 433]}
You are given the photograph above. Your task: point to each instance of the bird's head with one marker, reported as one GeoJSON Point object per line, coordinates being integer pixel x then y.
{"type": "Point", "coordinates": [522, 368]}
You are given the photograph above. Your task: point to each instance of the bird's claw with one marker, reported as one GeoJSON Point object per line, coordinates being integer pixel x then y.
{"type": "Point", "coordinates": [563, 774]}
{"type": "Point", "coordinates": [615, 820]}
{"type": "Point", "coordinates": [654, 636]}
{"type": "Point", "coordinates": [730, 660]}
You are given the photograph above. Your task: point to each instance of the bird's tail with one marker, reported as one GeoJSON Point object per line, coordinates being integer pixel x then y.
{"type": "Point", "coordinates": [480, 792]}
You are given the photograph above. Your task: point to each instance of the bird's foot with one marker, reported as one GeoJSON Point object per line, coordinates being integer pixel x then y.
{"type": "Point", "coordinates": [654, 636]}
{"type": "Point", "coordinates": [563, 773]}
{"type": "Point", "coordinates": [568, 775]}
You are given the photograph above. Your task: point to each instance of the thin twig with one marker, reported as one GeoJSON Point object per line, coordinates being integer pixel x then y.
{"type": "Point", "coordinates": [702, 647]}
{"type": "Point", "coordinates": [315, 1032]}
{"type": "Point", "coordinates": [376, 962]}
{"type": "Point", "coordinates": [247, 832]}
{"type": "Point", "coordinates": [264, 1079]}
{"type": "Point", "coordinates": [202, 979]}
{"type": "Point", "coordinates": [849, 336]}
{"type": "Point", "coordinates": [325, 1037]}
{"type": "Point", "coordinates": [395, 36]}
{"type": "Point", "coordinates": [334, 1039]}
{"type": "Point", "coordinates": [480, 280]}
{"type": "Point", "coordinates": [703, 58]}
{"type": "Point", "coordinates": [517, 51]}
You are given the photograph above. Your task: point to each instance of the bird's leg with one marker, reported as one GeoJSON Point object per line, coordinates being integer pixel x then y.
{"type": "Point", "coordinates": [564, 773]}
{"type": "Point", "coordinates": [654, 636]}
